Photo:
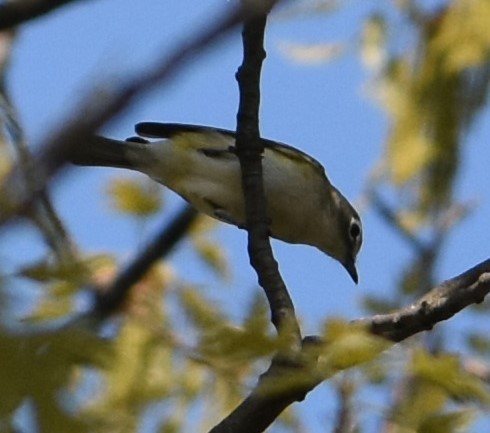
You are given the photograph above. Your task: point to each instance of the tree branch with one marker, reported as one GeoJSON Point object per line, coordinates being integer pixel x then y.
{"type": "Point", "coordinates": [94, 112]}
{"type": "Point", "coordinates": [43, 214]}
{"type": "Point", "coordinates": [16, 12]}
{"type": "Point", "coordinates": [109, 301]}
{"type": "Point", "coordinates": [249, 150]}
{"type": "Point", "coordinates": [265, 403]}
{"type": "Point", "coordinates": [261, 408]}
{"type": "Point", "coordinates": [441, 303]}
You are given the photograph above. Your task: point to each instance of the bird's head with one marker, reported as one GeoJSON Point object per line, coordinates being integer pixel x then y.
{"type": "Point", "coordinates": [345, 228]}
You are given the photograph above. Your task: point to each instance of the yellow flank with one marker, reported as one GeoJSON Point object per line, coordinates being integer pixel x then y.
{"type": "Point", "coordinates": [289, 154]}
{"type": "Point", "coordinates": [277, 156]}
{"type": "Point", "coordinates": [293, 158]}
{"type": "Point", "coordinates": [198, 140]}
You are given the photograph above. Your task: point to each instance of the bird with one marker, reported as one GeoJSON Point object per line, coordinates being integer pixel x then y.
{"type": "Point", "coordinates": [200, 164]}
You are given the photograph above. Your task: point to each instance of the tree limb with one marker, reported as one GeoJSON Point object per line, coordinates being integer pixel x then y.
{"type": "Point", "coordinates": [109, 301]}
{"type": "Point", "coordinates": [261, 408]}
{"type": "Point", "coordinates": [14, 13]}
{"type": "Point", "coordinates": [441, 303]}
{"type": "Point", "coordinates": [94, 112]}
{"type": "Point", "coordinates": [249, 150]}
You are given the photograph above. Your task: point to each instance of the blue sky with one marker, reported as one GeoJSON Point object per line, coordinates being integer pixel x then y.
{"type": "Point", "coordinates": [322, 109]}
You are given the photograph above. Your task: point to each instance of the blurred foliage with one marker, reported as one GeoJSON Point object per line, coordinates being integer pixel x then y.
{"type": "Point", "coordinates": [312, 54]}
{"type": "Point", "coordinates": [176, 356]}
{"type": "Point", "coordinates": [148, 358]}
{"type": "Point", "coordinates": [211, 252]}
{"type": "Point", "coordinates": [427, 96]}
{"type": "Point", "coordinates": [430, 72]}
{"type": "Point", "coordinates": [348, 345]}
{"type": "Point", "coordinates": [426, 398]}
{"type": "Point", "coordinates": [135, 197]}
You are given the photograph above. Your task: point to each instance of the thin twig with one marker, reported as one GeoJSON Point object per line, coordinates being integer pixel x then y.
{"type": "Point", "coordinates": [43, 214]}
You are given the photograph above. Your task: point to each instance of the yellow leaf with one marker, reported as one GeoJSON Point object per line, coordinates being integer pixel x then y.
{"type": "Point", "coordinates": [409, 151]}
{"type": "Point", "coordinates": [446, 372]}
{"type": "Point", "coordinates": [232, 344]}
{"type": "Point", "coordinates": [192, 379]}
{"type": "Point", "coordinates": [75, 271]}
{"type": "Point", "coordinates": [51, 309]}
{"type": "Point", "coordinates": [410, 220]}
{"type": "Point", "coordinates": [201, 312]}
{"type": "Point", "coordinates": [213, 255]}
{"type": "Point", "coordinates": [373, 50]}
{"type": "Point", "coordinates": [464, 35]}
{"type": "Point", "coordinates": [138, 198]}
{"type": "Point", "coordinates": [202, 225]}
{"type": "Point", "coordinates": [347, 345]}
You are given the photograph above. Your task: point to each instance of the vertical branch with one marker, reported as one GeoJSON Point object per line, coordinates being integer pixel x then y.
{"type": "Point", "coordinates": [249, 149]}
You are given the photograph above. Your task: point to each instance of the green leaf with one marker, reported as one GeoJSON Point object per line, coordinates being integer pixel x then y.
{"type": "Point", "coordinates": [446, 422]}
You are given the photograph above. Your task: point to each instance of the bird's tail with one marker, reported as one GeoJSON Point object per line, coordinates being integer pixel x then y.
{"type": "Point", "coordinates": [106, 152]}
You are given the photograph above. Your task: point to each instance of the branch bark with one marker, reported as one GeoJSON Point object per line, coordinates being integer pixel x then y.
{"type": "Point", "coordinates": [261, 408]}
{"type": "Point", "coordinates": [441, 303]}
{"type": "Point", "coordinates": [249, 150]}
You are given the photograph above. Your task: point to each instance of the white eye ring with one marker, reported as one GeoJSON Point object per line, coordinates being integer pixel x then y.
{"type": "Point", "coordinates": [354, 229]}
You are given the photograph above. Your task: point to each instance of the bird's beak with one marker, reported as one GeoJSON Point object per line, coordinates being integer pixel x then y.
{"type": "Point", "coordinates": [350, 267]}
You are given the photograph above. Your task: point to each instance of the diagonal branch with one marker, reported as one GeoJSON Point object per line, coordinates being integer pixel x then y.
{"type": "Point", "coordinates": [14, 13]}
{"type": "Point", "coordinates": [94, 112]}
{"type": "Point", "coordinates": [261, 408]}
{"type": "Point", "coordinates": [109, 301]}
{"type": "Point", "coordinates": [43, 214]}
{"type": "Point", "coordinates": [441, 303]}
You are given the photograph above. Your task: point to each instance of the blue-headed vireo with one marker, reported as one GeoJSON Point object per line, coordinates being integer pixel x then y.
{"type": "Point", "coordinates": [200, 164]}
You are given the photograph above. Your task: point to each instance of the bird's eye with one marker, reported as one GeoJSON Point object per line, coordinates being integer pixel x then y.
{"type": "Point", "coordinates": [354, 230]}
